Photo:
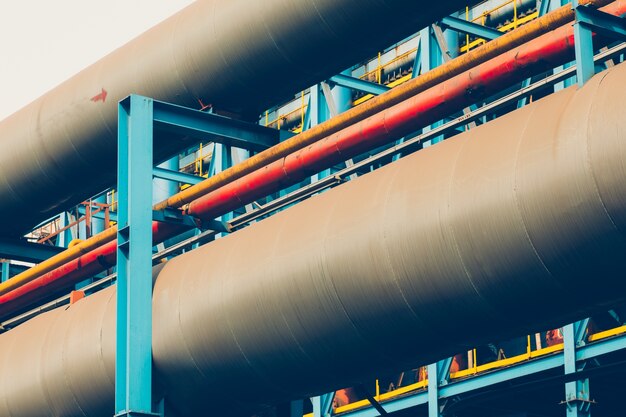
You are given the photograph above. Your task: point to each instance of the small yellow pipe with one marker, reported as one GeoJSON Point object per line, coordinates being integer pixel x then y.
{"type": "Point", "coordinates": [454, 67]}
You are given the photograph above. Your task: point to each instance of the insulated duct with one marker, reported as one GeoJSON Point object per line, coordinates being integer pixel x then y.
{"type": "Point", "coordinates": [440, 250]}
{"type": "Point", "coordinates": [292, 160]}
{"type": "Point", "coordinates": [237, 55]}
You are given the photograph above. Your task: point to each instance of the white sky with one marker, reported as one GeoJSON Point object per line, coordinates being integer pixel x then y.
{"type": "Point", "coordinates": [45, 42]}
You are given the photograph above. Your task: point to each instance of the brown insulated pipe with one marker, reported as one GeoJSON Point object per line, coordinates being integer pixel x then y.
{"type": "Point", "coordinates": [238, 55]}
{"type": "Point", "coordinates": [443, 249]}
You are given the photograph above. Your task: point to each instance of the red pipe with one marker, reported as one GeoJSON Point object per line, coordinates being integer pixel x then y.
{"type": "Point", "coordinates": [541, 54]}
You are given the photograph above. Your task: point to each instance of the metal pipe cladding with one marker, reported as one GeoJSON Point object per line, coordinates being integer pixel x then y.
{"type": "Point", "coordinates": [440, 250]}
{"type": "Point", "coordinates": [238, 55]}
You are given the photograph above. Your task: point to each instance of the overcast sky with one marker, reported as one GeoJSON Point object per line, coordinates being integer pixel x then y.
{"type": "Point", "coordinates": [44, 42]}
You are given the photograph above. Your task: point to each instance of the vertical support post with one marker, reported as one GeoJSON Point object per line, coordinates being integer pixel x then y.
{"type": "Point", "coordinates": [64, 237]}
{"type": "Point", "coordinates": [222, 160]}
{"type": "Point", "coordinates": [98, 225]}
{"type": "Point", "coordinates": [438, 375]}
{"type": "Point", "coordinates": [431, 57]}
{"type": "Point", "coordinates": [5, 271]}
{"type": "Point", "coordinates": [543, 6]}
{"type": "Point", "coordinates": [133, 362]}
{"type": "Point", "coordinates": [555, 4]}
{"type": "Point", "coordinates": [577, 398]}
{"type": "Point", "coordinates": [583, 46]}
{"type": "Point", "coordinates": [323, 405]}
{"type": "Point", "coordinates": [319, 114]}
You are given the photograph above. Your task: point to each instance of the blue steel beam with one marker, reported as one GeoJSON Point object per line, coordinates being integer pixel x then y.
{"type": "Point", "coordinates": [21, 250]}
{"type": "Point", "coordinates": [207, 126]}
{"type": "Point", "coordinates": [176, 176]}
{"type": "Point", "coordinates": [524, 369]}
{"type": "Point", "coordinates": [358, 84]}
{"type": "Point", "coordinates": [133, 361]}
{"type": "Point", "coordinates": [601, 23]}
{"type": "Point", "coordinates": [590, 20]}
{"type": "Point", "coordinates": [470, 28]}
{"type": "Point", "coordinates": [323, 404]}
{"type": "Point", "coordinates": [577, 398]}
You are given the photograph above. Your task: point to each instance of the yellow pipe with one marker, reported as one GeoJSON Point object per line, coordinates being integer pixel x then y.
{"type": "Point", "coordinates": [454, 67]}
{"type": "Point", "coordinates": [62, 258]}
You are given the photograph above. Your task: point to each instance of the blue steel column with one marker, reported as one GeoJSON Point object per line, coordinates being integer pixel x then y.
{"type": "Point", "coordinates": [577, 398]}
{"type": "Point", "coordinates": [5, 271]}
{"type": "Point", "coordinates": [323, 405]}
{"type": "Point", "coordinates": [64, 237]}
{"type": "Point", "coordinates": [438, 374]}
{"type": "Point", "coordinates": [555, 4]}
{"type": "Point", "coordinates": [583, 45]}
{"type": "Point", "coordinates": [97, 223]}
{"type": "Point", "coordinates": [342, 98]}
{"type": "Point", "coordinates": [133, 364]}
{"type": "Point", "coordinates": [221, 160]}
{"type": "Point", "coordinates": [430, 58]}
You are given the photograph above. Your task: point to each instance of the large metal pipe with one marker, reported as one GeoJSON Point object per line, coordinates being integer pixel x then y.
{"type": "Point", "coordinates": [521, 211]}
{"type": "Point", "coordinates": [543, 53]}
{"type": "Point", "coordinates": [237, 55]}
{"type": "Point", "coordinates": [445, 72]}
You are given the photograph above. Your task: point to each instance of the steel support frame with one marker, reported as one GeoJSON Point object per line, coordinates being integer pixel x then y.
{"type": "Point", "coordinates": [133, 361]}
{"type": "Point", "coordinates": [138, 118]}
{"type": "Point", "coordinates": [523, 369]}
{"type": "Point", "coordinates": [5, 271]}
{"type": "Point", "coordinates": [323, 404]}
{"type": "Point", "coordinates": [208, 126]}
{"type": "Point", "coordinates": [577, 397]}
{"type": "Point", "coordinates": [438, 376]}
{"type": "Point", "coordinates": [588, 21]}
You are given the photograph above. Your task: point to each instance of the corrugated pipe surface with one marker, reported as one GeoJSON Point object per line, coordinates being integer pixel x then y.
{"type": "Point", "coordinates": [442, 249]}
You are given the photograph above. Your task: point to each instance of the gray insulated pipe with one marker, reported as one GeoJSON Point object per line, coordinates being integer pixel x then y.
{"type": "Point", "coordinates": [443, 249]}
{"type": "Point", "coordinates": [238, 55]}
